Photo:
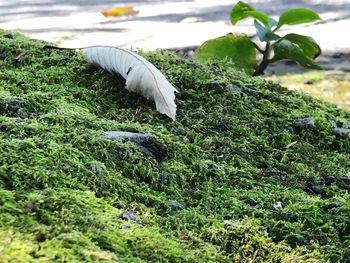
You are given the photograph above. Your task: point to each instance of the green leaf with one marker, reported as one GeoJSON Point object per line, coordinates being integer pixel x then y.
{"type": "Point", "coordinates": [237, 48]}
{"type": "Point", "coordinates": [306, 44]}
{"type": "Point", "coordinates": [272, 23]}
{"type": "Point", "coordinates": [263, 33]}
{"type": "Point", "coordinates": [241, 10]}
{"type": "Point", "coordinates": [285, 49]}
{"type": "Point", "coordinates": [297, 16]}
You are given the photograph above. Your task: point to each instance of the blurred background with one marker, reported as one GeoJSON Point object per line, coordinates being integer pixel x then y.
{"type": "Point", "coordinates": [181, 26]}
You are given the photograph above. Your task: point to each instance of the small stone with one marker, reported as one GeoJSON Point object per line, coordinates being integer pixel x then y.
{"type": "Point", "coordinates": [332, 205]}
{"type": "Point", "coordinates": [40, 237]}
{"type": "Point", "coordinates": [180, 132]}
{"type": "Point", "coordinates": [333, 124]}
{"type": "Point", "coordinates": [337, 55]}
{"type": "Point", "coordinates": [235, 88]}
{"type": "Point", "coordinates": [264, 232]}
{"type": "Point", "coordinates": [252, 202]}
{"type": "Point", "coordinates": [278, 205]}
{"type": "Point", "coordinates": [306, 122]}
{"type": "Point", "coordinates": [341, 132]}
{"type": "Point", "coordinates": [9, 36]}
{"type": "Point", "coordinates": [128, 216]}
{"type": "Point", "coordinates": [174, 205]}
{"type": "Point", "coordinates": [291, 130]}
{"type": "Point", "coordinates": [309, 82]}
{"type": "Point", "coordinates": [163, 178]}
{"type": "Point", "coordinates": [125, 227]}
{"type": "Point", "coordinates": [144, 142]}
{"type": "Point", "coordinates": [315, 188]}
{"type": "Point", "coordinates": [214, 84]}
{"type": "Point", "coordinates": [10, 107]}
{"type": "Point", "coordinates": [346, 125]}
{"type": "Point", "coordinates": [20, 57]}
{"type": "Point", "coordinates": [222, 169]}
{"type": "Point", "coordinates": [229, 224]}
{"type": "Point", "coordinates": [102, 256]}
{"type": "Point", "coordinates": [30, 206]}
{"type": "Point", "coordinates": [97, 169]}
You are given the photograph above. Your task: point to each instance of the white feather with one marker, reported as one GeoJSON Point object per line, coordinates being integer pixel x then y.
{"type": "Point", "coordinates": [141, 75]}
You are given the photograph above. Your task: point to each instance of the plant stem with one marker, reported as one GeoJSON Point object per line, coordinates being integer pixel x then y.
{"type": "Point", "coordinates": [258, 48]}
{"type": "Point", "coordinates": [265, 61]}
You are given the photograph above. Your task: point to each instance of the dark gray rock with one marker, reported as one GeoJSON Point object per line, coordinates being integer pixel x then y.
{"type": "Point", "coordinates": [333, 124]}
{"type": "Point", "coordinates": [214, 84]}
{"type": "Point", "coordinates": [346, 125]}
{"type": "Point", "coordinates": [341, 132]}
{"type": "Point", "coordinates": [264, 232]}
{"type": "Point", "coordinates": [252, 202]}
{"type": "Point", "coordinates": [309, 82]}
{"type": "Point", "coordinates": [315, 187]}
{"type": "Point", "coordinates": [235, 89]}
{"type": "Point", "coordinates": [180, 132]}
{"type": "Point", "coordinates": [332, 205]}
{"type": "Point", "coordinates": [229, 224]}
{"type": "Point", "coordinates": [10, 107]}
{"type": "Point", "coordinates": [128, 216]}
{"type": "Point", "coordinates": [9, 36]}
{"type": "Point", "coordinates": [125, 227]}
{"type": "Point", "coordinates": [163, 178]}
{"type": "Point", "coordinates": [174, 205]}
{"type": "Point", "coordinates": [97, 169]}
{"type": "Point", "coordinates": [144, 142]}
{"type": "Point", "coordinates": [305, 122]}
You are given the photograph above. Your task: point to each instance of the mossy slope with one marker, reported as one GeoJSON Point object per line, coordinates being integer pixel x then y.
{"type": "Point", "coordinates": [213, 198]}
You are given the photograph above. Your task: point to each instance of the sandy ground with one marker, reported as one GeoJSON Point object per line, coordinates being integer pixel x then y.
{"type": "Point", "coordinates": [162, 24]}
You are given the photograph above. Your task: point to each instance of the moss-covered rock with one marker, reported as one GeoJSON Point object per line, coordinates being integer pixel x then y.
{"type": "Point", "coordinates": [240, 180]}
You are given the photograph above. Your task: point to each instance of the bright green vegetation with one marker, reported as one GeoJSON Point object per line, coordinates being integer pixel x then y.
{"type": "Point", "coordinates": [228, 161]}
{"type": "Point", "coordinates": [241, 50]}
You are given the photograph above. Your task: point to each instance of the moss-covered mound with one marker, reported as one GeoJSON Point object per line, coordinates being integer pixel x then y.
{"type": "Point", "coordinates": [249, 172]}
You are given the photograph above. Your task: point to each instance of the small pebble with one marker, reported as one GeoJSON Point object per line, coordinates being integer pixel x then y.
{"type": "Point", "coordinates": [264, 232]}
{"type": "Point", "coordinates": [333, 124]}
{"type": "Point", "coordinates": [9, 36]}
{"type": "Point", "coordinates": [315, 188]}
{"type": "Point", "coordinates": [125, 227]}
{"type": "Point", "coordinates": [30, 206]}
{"type": "Point", "coordinates": [278, 205]}
{"type": "Point", "coordinates": [252, 202]}
{"type": "Point", "coordinates": [128, 216]}
{"type": "Point", "coordinates": [346, 125]}
{"type": "Point", "coordinates": [180, 132]}
{"type": "Point", "coordinates": [229, 224]}
{"type": "Point", "coordinates": [214, 84]}
{"type": "Point", "coordinates": [332, 205]}
{"type": "Point", "coordinates": [235, 88]}
{"type": "Point", "coordinates": [174, 205]}
{"type": "Point", "coordinates": [306, 122]}
{"type": "Point", "coordinates": [96, 169]}
{"type": "Point", "coordinates": [309, 82]}
{"type": "Point", "coordinates": [40, 237]}
{"type": "Point", "coordinates": [341, 132]}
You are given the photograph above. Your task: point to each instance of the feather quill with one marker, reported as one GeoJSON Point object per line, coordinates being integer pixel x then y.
{"type": "Point", "coordinates": [141, 75]}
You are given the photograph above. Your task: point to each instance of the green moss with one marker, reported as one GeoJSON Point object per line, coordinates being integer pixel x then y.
{"type": "Point", "coordinates": [230, 157]}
